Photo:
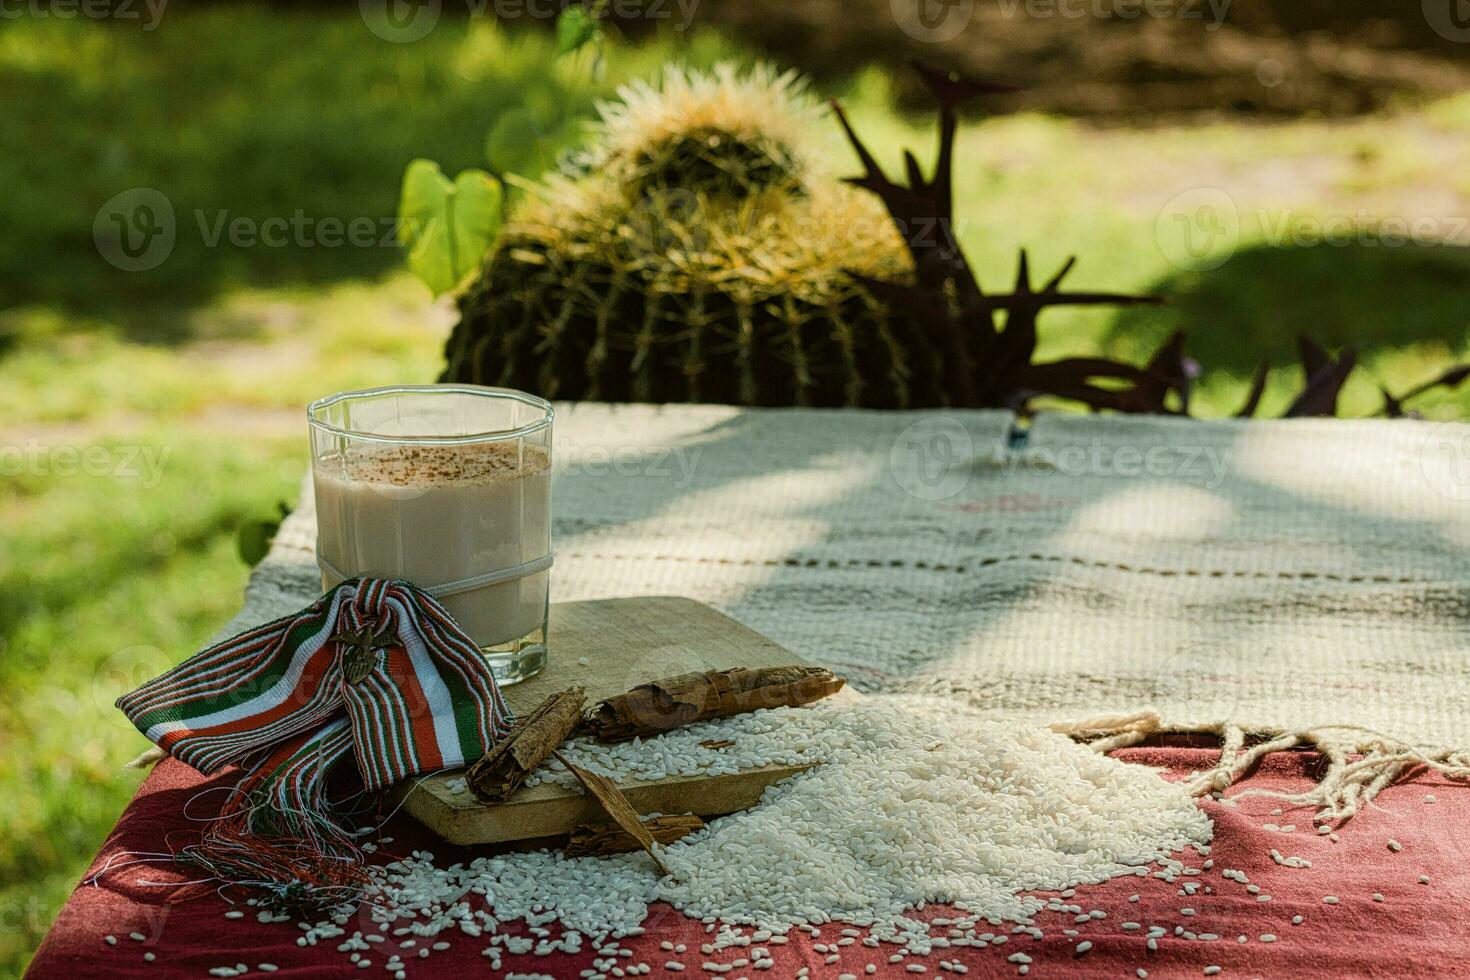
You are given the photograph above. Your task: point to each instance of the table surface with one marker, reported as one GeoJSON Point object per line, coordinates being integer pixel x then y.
{"type": "Point", "coordinates": [1315, 575]}
{"type": "Point", "coordinates": [1417, 929]}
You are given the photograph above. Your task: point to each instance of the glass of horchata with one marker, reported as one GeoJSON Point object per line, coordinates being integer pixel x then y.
{"type": "Point", "coordinates": [447, 487]}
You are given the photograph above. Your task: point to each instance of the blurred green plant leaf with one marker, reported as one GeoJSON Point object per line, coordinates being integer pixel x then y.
{"type": "Point", "coordinates": [575, 29]}
{"type": "Point", "coordinates": [253, 539]}
{"type": "Point", "coordinates": [447, 226]}
{"type": "Point", "coordinates": [529, 143]}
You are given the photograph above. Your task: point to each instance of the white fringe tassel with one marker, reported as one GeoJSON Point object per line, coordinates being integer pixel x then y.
{"type": "Point", "coordinates": [1347, 786]}
{"type": "Point", "coordinates": [149, 758]}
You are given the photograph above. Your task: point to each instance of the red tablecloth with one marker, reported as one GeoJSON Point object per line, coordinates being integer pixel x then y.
{"type": "Point", "coordinates": [1418, 929]}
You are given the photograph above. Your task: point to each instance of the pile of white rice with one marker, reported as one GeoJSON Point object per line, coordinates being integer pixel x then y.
{"type": "Point", "coordinates": [915, 800]}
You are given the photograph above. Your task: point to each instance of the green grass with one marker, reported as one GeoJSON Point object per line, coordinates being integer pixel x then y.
{"type": "Point", "coordinates": [237, 114]}
{"type": "Point", "coordinates": [107, 575]}
{"type": "Point", "coordinates": [1061, 188]}
{"type": "Point", "coordinates": [130, 469]}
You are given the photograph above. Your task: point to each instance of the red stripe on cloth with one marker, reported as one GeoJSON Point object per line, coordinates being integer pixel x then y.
{"type": "Point", "coordinates": [420, 720]}
{"type": "Point", "coordinates": [318, 666]}
{"type": "Point", "coordinates": [219, 661]}
{"type": "Point", "coordinates": [169, 690]}
{"type": "Point", "coordinates": [493, 718]}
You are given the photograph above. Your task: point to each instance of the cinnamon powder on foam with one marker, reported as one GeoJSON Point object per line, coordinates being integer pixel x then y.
{"type": "Point", "coordinates": [433, 465]}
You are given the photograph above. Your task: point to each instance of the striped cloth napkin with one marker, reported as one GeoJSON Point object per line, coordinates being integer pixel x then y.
{"type": "Point", "coordinates": [374, 669]}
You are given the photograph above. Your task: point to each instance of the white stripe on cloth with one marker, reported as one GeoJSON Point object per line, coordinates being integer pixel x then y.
{"type": "Point", "coordinates": [441, 704]}
{"type": "Point", "coordinates": [275, 695]}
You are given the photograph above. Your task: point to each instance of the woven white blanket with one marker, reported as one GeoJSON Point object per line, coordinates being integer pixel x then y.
{"type": "Point", "coordinates": [1114, 577]}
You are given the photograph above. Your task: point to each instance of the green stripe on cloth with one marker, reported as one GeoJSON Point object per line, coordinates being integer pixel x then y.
{"type": "Point", "coordinates": [249, 693]}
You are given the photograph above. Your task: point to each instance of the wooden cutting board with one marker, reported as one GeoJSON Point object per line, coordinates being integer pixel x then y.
{"type": "Point", "coordinates": [626, 642]}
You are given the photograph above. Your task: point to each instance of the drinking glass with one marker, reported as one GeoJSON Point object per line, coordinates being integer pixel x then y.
{"type": "Point", "coordinates": [447, 487]}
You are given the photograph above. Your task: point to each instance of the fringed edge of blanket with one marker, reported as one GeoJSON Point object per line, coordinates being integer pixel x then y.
{"type": "Point", "coordinates": [1360, 761]}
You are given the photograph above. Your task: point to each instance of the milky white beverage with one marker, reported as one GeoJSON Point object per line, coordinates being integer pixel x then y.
{"type": "Point", "coordinates": [457, 500]}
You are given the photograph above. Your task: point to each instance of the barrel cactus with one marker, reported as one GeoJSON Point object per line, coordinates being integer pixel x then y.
{"type": "Point", "coordinates": [698, 252]}
{"type": "Point", "coordinates": [697, 256]}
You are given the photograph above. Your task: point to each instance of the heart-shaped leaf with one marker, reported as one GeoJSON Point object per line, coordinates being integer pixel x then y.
{"type": "Point", "coordinates": [447, 227]}
{"type": "Point", "coordinates": [528, 143]}
{"type": "Point", "coordinates": [253, 538]}
{"type": "Point", "coordinates": [575, 29]}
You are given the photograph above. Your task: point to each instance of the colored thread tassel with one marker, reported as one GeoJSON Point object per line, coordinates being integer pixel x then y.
{"type": "Point", "coordinates": [375, 671]}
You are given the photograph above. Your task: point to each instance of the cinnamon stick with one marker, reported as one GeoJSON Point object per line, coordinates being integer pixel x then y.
{"type": "Point", "coordinates": [502, 770]}
{"type": "Point", "coordinates": [606, 792]}
{"type": "Point", "coordinates": [658, 707]}
{"type": "Point", "coordinates": [596, 840]}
